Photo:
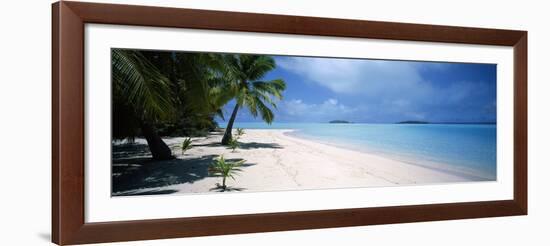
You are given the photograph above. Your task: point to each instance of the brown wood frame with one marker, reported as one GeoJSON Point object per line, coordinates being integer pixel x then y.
{"type": "Point", "coordinates": [68, 225]}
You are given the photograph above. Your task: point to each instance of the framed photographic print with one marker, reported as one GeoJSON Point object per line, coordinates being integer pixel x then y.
{"type": "Point", "coordinates": [175, 122]}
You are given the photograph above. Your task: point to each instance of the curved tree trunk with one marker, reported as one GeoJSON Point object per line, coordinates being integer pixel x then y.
{"type": "Point", "coordinates": [227, 135]}
{"type": "Point", "coordinates": [158, 148]}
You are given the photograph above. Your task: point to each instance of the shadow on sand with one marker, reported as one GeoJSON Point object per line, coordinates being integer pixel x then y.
{"type": "Point", "coordinates": [149, 192]}
{"type": "Point", "coordinates": [256, 145]}
{"type": "Point", "coordinates": [243, 145]}
{"type": "Point", "coordinates": [219, 188]}
{"type": "Point", "coordinates": [129, 150]}
{"type": "Point", "coordinates": [129, 174]}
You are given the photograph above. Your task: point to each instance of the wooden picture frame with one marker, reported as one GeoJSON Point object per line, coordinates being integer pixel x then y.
{"type": "Point", "coordinates": [68, 223]}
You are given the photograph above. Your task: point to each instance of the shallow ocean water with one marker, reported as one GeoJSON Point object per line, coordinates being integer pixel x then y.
{"type": "Point", "coordinates": [466, 148]}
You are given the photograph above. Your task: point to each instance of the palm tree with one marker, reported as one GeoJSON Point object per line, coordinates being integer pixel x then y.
{"type": "Point", "coordinates": [244, 73]}
{"type": "Point", "coordinates": [240, 132]}
{"type": "Point", "coordinates": [186, 145]}
{"type": "Point", "coordinates": [192, 77]}
{"type": "Point", "coordinates": [141, 97]}
{"type": "Point", "coordinates": [154, 89]}
{"type": "Point", "coordinates": [225, 169]}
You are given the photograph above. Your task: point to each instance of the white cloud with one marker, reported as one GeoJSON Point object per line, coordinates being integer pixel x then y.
{"type": "Point", "coordinates": [392, 88]}
{"type": "Point", "coordinates": [353, 76]}
{"type": "Point", "coordinates": [331, 101]}
{"type": "Point", "coordinates": [330, 109]}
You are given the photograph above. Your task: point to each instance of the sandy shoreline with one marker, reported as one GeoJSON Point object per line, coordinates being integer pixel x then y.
{"type": "Point", "coordinates": [274, 161]}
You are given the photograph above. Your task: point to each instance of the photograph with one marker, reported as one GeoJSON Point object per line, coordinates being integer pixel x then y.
{"type": "Point", "coordinates": [275, 123]}
{"type": "Point", "coordinates": [189, 122]}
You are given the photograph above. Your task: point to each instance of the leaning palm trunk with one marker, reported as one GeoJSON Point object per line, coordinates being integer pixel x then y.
{"type": "Point", "coordinates": [158, 148]}
{"type": "Point", "coordinates": [227, 135]}
{"type": "Point", "coordinates": [244, 73]}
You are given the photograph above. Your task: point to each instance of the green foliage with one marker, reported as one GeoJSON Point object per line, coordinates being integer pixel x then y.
{"type": "Point", "coordinates": [192, 77]}
{"type": "Point", "coordinates": [139, 85]}
{"type": "Point", "coordinates": [222, 168]}
{"type": "Point", "coordinates": [192, 125]}
{"type": "Point", "coordinates": [141, 97]}
{"type": "Point", "coordinates": [170, 90]}
{"type": "Point", "coordinates": [248, 89]}
{"type": "Point", "coordinates": [233, 144]}
{"type": "Point", "coordinates": [243, 74]}
{"type": "Point", "coordinates": [180, 93]}
{"type": "Point", "coordinates": [240, 132]}
{"type": "Point", "coordinates": [186, 145]}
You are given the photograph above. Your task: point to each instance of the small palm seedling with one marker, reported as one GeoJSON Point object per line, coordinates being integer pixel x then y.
{"type": "Point", "coordinates": [186, 145]}
{"type": "Point", "coordinates": [225, 169]}
{"type": "Point", "coordinates": [240, 132]}
{"type": "Point", "coordinates": [233, 144]}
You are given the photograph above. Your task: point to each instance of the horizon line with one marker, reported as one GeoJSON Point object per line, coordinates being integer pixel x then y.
{"type": "Point", "coordinates": [397, 122]}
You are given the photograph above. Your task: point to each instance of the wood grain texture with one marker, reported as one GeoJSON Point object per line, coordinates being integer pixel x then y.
{"type": "Point", "coordinates": [68, 124]}
{"type": "Point", "coordinates": [520, 122]}
{"type": "Point", "coordinates": [234, 224]}
{"type": "Point", "coordinates": [55, 123]}
{"type": "Point", "coordinates": [251, 22]}
{"type": "Point", "coordinates": [68, 19]}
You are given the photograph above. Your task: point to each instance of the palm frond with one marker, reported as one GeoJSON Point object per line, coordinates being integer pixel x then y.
{"type": "Point", "coordinates": [141, 85]}
{"type": "Point", "coordinates": [265, 112]}
{"type": "Point", "coordinates": [195, 80]}
{"type": "Point", "coordinates": [186, 145]}
{"type": "Point", "coordinates": [221, 95]}
{"type": "Point", "coordinates": [273, 87]}
{"type": "Point", "coordinates": [265, 97]}
{"type": "Point", "coordinates": [233, 68]}
{"type": "Point", "coordinates": [245, 71]}
{"type": "Point", "coordinates": [250, 102]}
{"type": "Point", "coordinates": [258, 66]}
{"type": "Point", "coordinates": [225, 169]}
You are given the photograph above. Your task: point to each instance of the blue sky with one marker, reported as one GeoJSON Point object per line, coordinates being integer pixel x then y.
{"type": "Point", "coordinates": [381, 91]}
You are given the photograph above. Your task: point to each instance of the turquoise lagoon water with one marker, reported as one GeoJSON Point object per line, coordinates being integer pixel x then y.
{"type": "Point", "coordinates": [466, 149]}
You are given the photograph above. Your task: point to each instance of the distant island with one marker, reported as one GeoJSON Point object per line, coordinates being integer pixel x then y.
{"type": "Point", "coordinates": [413, 122]}
{"type": "Point", "coordinates": [449, 122]}
{"type": "Point", "coordinates": [339, 122]}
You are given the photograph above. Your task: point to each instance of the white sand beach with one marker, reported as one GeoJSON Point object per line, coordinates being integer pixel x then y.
{"type": "Point", "coordinates": [274, 161]}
